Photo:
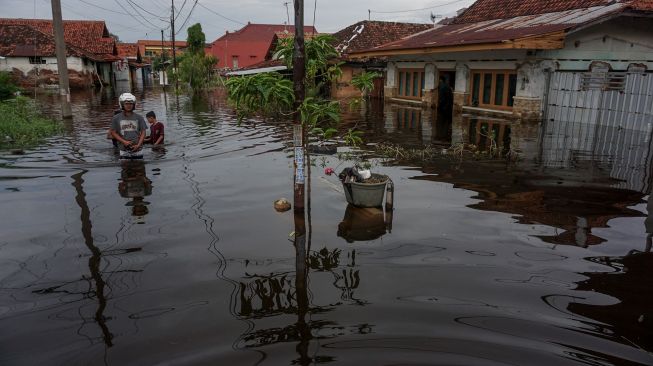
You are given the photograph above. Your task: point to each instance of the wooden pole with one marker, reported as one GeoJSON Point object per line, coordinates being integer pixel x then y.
{"type": "Point", "coordinates": [299, 74]}
{"type": "Point", "coordinates": [174, 52]}
{"type": "Point", "coordinates": [62, 65]}
{"type": "Point", "coordinates": [164, 72]}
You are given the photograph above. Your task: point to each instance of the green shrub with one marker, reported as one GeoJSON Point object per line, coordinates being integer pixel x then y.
{"type": "Point", "coordinates": [7, 86]}
{"type": "Point", "coordinates": [21, 126]}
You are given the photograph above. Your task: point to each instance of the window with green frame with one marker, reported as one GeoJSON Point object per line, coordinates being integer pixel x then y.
{"type": "Point", "coordinates": [410, 83]}
{"type": "Point", "coordinates": [493, 88]}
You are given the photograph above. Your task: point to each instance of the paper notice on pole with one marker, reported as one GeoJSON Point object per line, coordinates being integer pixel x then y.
{"type": "Point", "coordinates": [299, 164]}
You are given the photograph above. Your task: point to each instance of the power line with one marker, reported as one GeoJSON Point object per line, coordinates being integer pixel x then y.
{"type": "Point", "coordinates": [147, 11]}
{"type": "Point", "coordinates": [188, 17]}
{"type": "Point", "coordinates": [180, 9]}
{"type": "Point", "coordinates": [220, 15]}
{"type": "Point", "coordinates": [105, 9]}
{"type": "Point", "coordinates": [412, 10]}
{"type": "Point", "coordinates": [132, 15]}
{"type": "Point", "coordinates": [131, 3]}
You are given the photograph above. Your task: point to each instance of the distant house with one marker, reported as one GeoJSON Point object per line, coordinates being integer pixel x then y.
{"type": "Point", "coordinates": [582, 59]}
{"type": "Point", "coordinates": [130, 68]}
{"type": "Point", "coordinates": [151, 48]}
{"type": "Point", "coordinates": [249, 45]}
{"type": "Point", "coordinates": [90, 36]}
{"type": "Point", "coordinates": [365, 35]}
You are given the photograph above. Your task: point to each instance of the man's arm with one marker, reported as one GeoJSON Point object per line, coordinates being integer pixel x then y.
{"type": "Point", "coordinates": [117, 136]}
{"type": "Point", "coordinates": [141, 138]}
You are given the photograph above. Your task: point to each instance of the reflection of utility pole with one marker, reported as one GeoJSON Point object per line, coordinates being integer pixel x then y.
{"type": "Point", "coordinates": [62, 65]}
{"type": "Point", "coordinates": [299, 74]}
{"type": "Point", "coordinates": [94, 260]}
{"type": "Point", "coordinates": [301, 288]}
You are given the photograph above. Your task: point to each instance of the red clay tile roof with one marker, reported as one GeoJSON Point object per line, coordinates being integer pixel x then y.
{"type": "Point", "coordinates": [127, 50]}
{"type": "Point", "coordinates": [261, 32]}
{"type": "Point", "coordinates": [502, 9]}
{"type": "Point", "coordinates": [89, 35]}
{"type": "Point", "coordinates": [370, 33]}
{"type": "Point", "coordinates": [644, 5]}
{"type": "Point", "coordinates": [25, 41]}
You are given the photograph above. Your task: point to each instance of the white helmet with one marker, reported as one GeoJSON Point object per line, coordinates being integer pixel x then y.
{"type": "Point", "coordinates": [126, 97]}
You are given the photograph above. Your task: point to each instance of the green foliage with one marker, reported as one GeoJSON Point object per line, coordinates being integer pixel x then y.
{"type": "Point", "coordinates": [265, 92]}
{"type": "Point", "coordinates": [365, 81]}
{"type": "Point", "coordinates": [319, 51]}
{"type": "Point", "coordinates": [161, 62]}
{"type": "Point", "coordinates": [196, 39]}
{"type": "Point", "coordinates": [195, 67]}
{"type": "Point", "coordinates": [7, 86]}
{"type": "Point", "coordinates": [316, 112]}
{"type": "Point", "coordinates": [324, 134]}
{"type": "Point", "coordinates": [21, 126]}
{"type": "Point", "coordinates": [353, 137]}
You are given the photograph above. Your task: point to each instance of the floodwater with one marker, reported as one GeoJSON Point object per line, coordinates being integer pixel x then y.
{"type": "Point", "coordinates": [183, 260]}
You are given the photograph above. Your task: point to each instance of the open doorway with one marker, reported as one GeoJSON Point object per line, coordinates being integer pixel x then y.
{"type": "Point", "coordinates": [446, 85]}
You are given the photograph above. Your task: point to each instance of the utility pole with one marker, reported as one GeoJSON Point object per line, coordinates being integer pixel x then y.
{"type": "Point", "coordinates": [164, 75]}
{"type": "Point", "coordinates": [174, 52]}
{"type": "Point", "coordinates": [62, 65]}
{"type": "Point", "coordinates": [299, 74]}
{"type": "Point", "coordinates": [369, 14]}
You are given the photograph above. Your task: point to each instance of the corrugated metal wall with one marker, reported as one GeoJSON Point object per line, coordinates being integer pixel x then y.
{"type": "Point", "coordinates": [606, 123]}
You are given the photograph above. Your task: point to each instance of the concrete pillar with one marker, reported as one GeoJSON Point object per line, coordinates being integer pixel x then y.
{"type": "Point", "coordinates": [390, 88]}
{"type": "Point", "coordinates": [531, 88]}
{"type": "Point", "coordinates": [461, 92]}
{"type": "Point", "coordinates": [427, 126]}
{"type": "Point", "coordinates": [429, 94]}
{"type": "Point", "coordinates": [459, 129]}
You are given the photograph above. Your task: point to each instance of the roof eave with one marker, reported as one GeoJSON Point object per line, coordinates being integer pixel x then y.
{"type": "Point", "coordinates": [549, 41]}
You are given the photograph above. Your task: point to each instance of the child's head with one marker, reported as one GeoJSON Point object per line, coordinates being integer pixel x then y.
{"type": "Point", "coordinates": [151, 117]}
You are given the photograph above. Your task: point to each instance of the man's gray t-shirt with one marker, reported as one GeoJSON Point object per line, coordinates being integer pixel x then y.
{"type": "Point", "coordinates": [129, 127]}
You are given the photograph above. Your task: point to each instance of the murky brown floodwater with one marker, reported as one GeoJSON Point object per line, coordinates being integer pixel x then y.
{"type": "Point", "coordinates": [183, 260]}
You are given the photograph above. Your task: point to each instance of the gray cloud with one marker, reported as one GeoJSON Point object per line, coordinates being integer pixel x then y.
{"type": "Point", "coordinates": [126, 22]}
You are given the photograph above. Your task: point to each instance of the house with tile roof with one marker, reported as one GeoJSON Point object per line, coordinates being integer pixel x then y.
{"type": "Point", "coordinates": [88, 36]}
{"type": "Point", "coordinates": [149, 48]}
{"type": "Point", "coordinates": [30, 55]}
{"type": "Point", "coordinates": [131, 67]}
{"type": "Point", "coordinates": [361, 36]}
{"type": "Point", "coordinates": [250, 44]}
{"type": "Point", "coordinates": [528, 59]}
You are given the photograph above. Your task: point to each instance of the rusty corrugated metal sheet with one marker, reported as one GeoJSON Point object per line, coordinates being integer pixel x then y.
{"type": "Point", "coordinates": [504, 30]}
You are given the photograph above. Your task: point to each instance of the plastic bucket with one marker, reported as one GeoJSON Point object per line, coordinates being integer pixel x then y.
{"type": "Point", "coordinates": [366, 194]}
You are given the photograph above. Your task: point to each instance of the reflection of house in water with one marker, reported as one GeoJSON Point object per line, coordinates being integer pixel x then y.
{"type": "Point", "coordinates": [539, 199]}
{"type": "Point", "coordinates": [613, 139]}
{"type": "Point", "coordinates": [630, 318]}
{"type": "Point", "coordinates": [422, 124]}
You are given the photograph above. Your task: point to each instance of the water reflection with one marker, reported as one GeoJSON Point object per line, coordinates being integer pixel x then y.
{"type": "Point", "coordinates": [135, 185]}
{"type": "Point", "coordinates": [364, 224]}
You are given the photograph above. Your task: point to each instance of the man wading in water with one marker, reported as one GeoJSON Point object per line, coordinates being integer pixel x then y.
{"type": "Point", "coordinates": [128, 128]}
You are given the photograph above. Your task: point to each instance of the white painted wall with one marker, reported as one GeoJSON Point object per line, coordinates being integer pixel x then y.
{"type": "Point", "coordinates": [462, 78]}
{"type": "Point", "coordinates": [620, 41]}
{"type": "Point", "coordinates": [22, 64]}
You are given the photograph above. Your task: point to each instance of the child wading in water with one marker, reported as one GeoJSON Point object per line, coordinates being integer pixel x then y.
{"type": "Point", "coordinates": [156, 129]}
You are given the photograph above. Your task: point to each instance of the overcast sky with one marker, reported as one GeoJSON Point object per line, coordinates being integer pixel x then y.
{"type": "Point", "coordinates": [132, 20]}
